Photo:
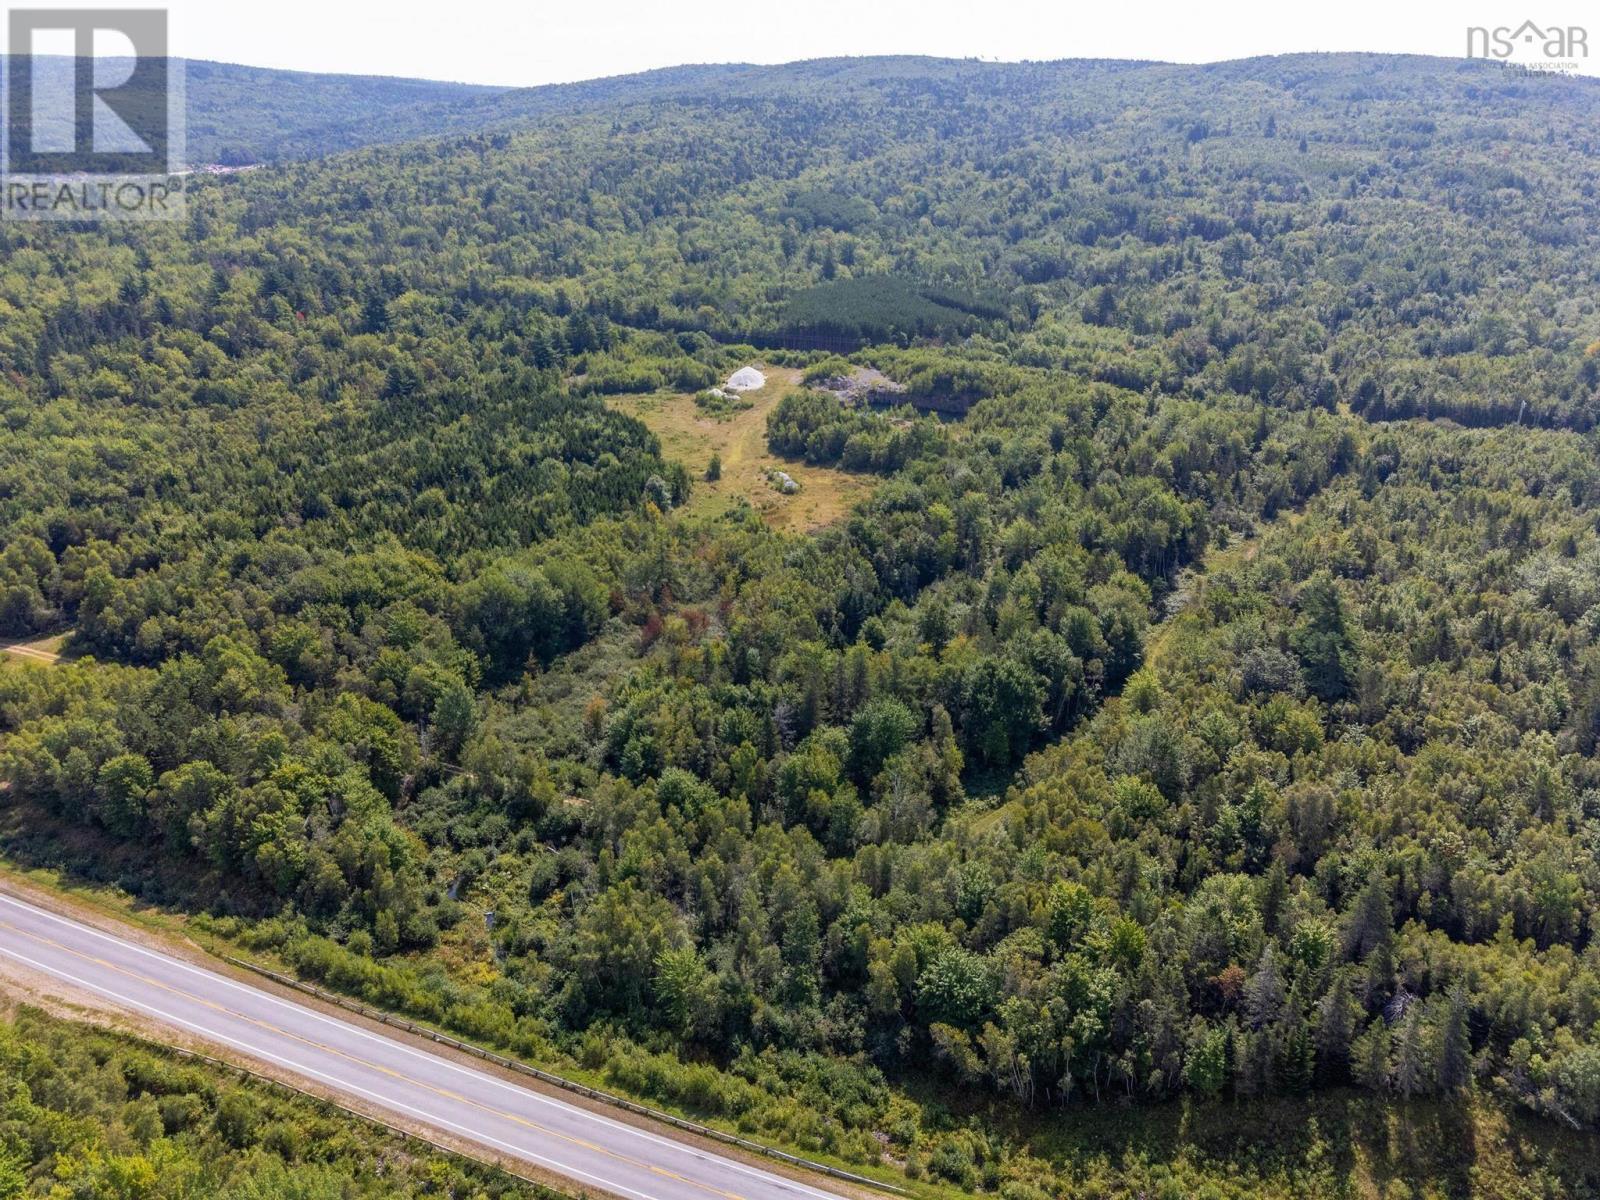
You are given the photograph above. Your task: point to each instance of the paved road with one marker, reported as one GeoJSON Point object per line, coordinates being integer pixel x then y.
{"type": "Point", "coordinates": [594, 1152]}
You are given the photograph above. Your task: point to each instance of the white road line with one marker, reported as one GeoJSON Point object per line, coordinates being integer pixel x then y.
{"type": "Point", "coordinates": [337, 1083]}
{"type": "Point", "coordinates": [438, 1059]}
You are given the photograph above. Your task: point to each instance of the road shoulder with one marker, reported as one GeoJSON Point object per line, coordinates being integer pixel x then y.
{"type": "Point", "coordinates": [59, 997]}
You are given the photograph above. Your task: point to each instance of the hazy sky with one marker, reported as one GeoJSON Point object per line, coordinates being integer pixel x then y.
{"type": "Point", "coordinates": [520, 42]}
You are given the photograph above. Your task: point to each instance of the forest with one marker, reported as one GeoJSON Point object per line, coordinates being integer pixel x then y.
{"type": "Point", "coordinates": [107, 1115]}
{"type": "Point", "coordinates": [1198, 715]}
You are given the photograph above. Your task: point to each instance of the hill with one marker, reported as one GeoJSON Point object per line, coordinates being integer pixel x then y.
{"type": "Point", "coordinates": [238, 115]}
{"type": "Point", "coordinates": [1206, 718]}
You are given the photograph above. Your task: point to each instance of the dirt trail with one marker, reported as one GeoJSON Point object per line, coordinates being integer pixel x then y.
{"type": "Point", "coordinates": [40, 650]}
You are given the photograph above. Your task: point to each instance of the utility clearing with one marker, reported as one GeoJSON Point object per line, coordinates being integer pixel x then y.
{"type": "Point", "coordinates": [749, 473]}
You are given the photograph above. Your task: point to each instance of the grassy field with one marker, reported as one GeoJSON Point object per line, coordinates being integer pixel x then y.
{"type": "Point", "coordinates": [46, 650]}
{"type": "Point", "coordinates": [692, 437]}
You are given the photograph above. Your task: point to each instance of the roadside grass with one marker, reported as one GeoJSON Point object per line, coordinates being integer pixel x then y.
{"type": "Point", "coordinates": [106, 900]}
{"type": "Point", "coordinates": [692, 435]}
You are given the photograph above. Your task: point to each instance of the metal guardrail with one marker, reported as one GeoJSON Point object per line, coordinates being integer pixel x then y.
{"type": "Point", "coordinates": [319, 1098]}
{"type": "Point", "coordinates": [570, 1085]}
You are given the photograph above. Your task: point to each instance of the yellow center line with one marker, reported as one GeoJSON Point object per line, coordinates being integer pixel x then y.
{"type": "Point", "coordinates": [372, 1066]}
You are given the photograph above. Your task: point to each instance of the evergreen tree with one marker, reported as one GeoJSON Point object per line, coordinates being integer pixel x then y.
{"type": "Point", "coordinates": [1453, 1069]}
{"type": "Point", "coordinates": [1411, 1067]}
{"type": "Point", "coordinates": [1323, 639]}
{"type": "Point", "coordinates": [1370, 925]}
{"type": "Point", "coordinates": [1264, 994]}
{"type": "Point", "coordinates": [1335, 1032]}
{"type": "Point", "coordinates": [1369, 1057]}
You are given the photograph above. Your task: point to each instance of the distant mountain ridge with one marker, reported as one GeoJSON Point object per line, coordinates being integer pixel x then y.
{"type": "Point", "coordinates": [241, 115]}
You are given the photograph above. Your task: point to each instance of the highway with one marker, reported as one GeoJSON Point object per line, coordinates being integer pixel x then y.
{"type": "Point", "coordinates": [373, 1071]}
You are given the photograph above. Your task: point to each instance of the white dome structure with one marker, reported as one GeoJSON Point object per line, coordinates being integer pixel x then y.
{"type": "Point", "coordinates": [746, 379]}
